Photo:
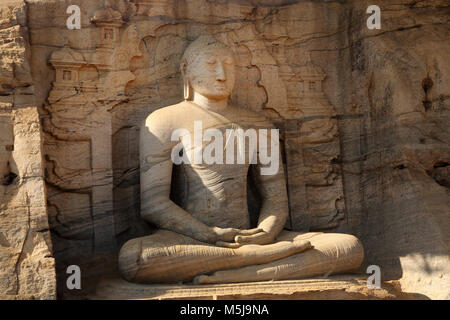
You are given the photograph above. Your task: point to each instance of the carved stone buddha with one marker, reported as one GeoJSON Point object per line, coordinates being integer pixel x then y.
{"type": "Point", "coordinates": [206, 236]}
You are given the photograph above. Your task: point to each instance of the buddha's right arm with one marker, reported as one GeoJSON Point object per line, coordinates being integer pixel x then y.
{"type": "Point", "coordinates": [158, 209]}
{"type": "Point", "coordinates": [156, 145]}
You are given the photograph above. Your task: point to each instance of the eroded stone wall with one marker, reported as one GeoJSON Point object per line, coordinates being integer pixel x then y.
{"type": "Point", "coordinates": [27, 268]}
{"type": "Point", "coordinates": [396, 155]}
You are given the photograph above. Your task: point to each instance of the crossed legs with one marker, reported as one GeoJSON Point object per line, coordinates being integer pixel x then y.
{"type": "Point", "coordinates": [168, 257]}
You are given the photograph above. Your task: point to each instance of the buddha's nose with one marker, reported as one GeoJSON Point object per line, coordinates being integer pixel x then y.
{"type": "Point", "coordinates": [220, 72]}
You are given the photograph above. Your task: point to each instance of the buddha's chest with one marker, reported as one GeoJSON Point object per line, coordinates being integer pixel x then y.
{"type": "Point", "coordinates": [215, 194]}
{"type": "Point", "coordinates": [228, 144]}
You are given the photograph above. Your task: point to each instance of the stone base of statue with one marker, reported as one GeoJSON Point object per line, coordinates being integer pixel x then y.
{"type": "Point", "coordinates": [334, 288]}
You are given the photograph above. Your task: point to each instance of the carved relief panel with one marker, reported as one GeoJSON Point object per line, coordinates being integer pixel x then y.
{"type": "Point", "coordinates": [100, 96]}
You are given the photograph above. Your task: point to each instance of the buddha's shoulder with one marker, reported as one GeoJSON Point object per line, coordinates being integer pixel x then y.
{"type": "Point", "coordinates": [168, 117]}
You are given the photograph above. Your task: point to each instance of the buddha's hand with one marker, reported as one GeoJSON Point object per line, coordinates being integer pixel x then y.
{"type": "Point", "coordinates": [226, 237]}
{"type": "Point", "coordinates": [261, 237]}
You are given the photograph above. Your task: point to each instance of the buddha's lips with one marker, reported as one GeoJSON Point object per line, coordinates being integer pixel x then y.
{"type": "Point", "coordinates": [220, 86]}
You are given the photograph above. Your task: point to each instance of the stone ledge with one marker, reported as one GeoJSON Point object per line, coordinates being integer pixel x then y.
{"type": "Point", "coordinates": [332, 288]}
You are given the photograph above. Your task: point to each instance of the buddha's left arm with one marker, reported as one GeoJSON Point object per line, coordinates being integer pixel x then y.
{"type": "Point", "coordinates": [275, 209]}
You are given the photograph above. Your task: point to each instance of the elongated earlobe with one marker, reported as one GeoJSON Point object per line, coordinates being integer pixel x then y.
{"type": "Point", "coordinates": [187, 89]}
{"type": "Point", "coordinates": [186, 85]}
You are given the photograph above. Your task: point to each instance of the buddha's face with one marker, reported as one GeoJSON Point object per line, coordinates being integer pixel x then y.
{"type": "Point", "coordinates": [212, 73]}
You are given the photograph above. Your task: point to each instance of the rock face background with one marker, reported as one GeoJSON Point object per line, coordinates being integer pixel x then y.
{"type": "Point", "coordinates": [27, 266]}
{"type": "Point", "coordinates": [363, 116]}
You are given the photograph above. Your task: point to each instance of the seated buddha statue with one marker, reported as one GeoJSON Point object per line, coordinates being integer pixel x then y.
{"type": "Point", "coordinates": [206, 235]}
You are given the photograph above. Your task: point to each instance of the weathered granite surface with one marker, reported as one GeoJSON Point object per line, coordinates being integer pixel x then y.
{"type": "Point", "coordinates": [395, 153]}
{"type": "Point", "coordinates": [374, 162]}
{"type": "Point", "coordinates": [27, 266]}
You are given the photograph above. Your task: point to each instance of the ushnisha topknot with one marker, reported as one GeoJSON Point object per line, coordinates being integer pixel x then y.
{"type": "Point", "coordinates": [199, 46]}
